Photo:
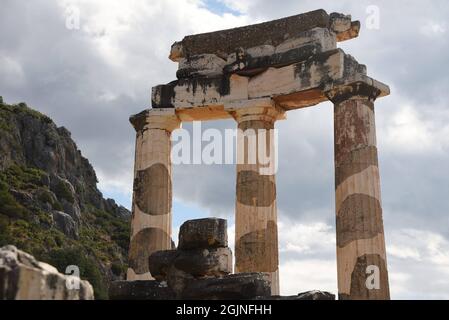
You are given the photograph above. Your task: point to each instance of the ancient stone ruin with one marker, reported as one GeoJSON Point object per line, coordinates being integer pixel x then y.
{"type": "Point", "coordinates": [255, 75]}
{"type": "Point", "coordinates": [200, 269]}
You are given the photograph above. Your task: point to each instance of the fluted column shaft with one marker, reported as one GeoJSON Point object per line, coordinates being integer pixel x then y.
{"type": "Point", "coordinates": [256, 231]}
{"type": "Point", "coordinates": [152, 198]}
{"type": "Point", "coordinates": [361, 255]}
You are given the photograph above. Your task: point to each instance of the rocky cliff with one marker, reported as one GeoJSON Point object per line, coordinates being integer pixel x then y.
{"type": "Point", "coordinates": [49, 202]}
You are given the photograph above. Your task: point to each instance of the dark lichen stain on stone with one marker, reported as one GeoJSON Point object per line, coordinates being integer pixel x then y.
{"type": "Point", "coordinates": [143, 244]}
{"type": "Point", "coordinates": [139, 120]}
{"type": "Point", "coordinates": [257, 251]}
{"type": "Point", "coordinates": [353, 124]}
{"type": "Point", "coordinates": [253, 66]}
{"type": "Point", "coordinates": [273, 32]}
{"type": "Point", "coordinates": [153, 190]}
{"type": "Point", "coordinates": [52, 281]}
{"type": "Point", "coordinates": [254, 189]}
{"type": "Point", "coordinates": [354, 162]}
{"type": "Point", "coordinates": [358, 89]}
{"type": "Point", "coordinates": [359, 275]}
{"type": "Point", "coordinates": [359, 217]}
{"type": "Point", "coordinates": [166, 94]}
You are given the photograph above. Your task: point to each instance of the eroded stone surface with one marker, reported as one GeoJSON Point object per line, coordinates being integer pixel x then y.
{"type": "Point", "coordinates": [196, 262]}
{"type": "Point", "coordinates": [143, 244]}
{"type": "Point", "coordinates": [236, 286]}
{"type": "Point", "coordinates": [203, 233]}
{"type": "Point", "coordinates": [224, 42]}
{"type": "Point", "coordinates": [360, 217]}
{"type": "Point", "coordinates": [140, 290]}
{"type": "Point", "coordinates": [308, 295]}
{"type": "Point", "coordinates": [153, 190]}
{"type": "Point", "coordinates": [22, 277]}
{"type": "Point", "coordinates": [359, 276]}
{"type": "Point", "coordinates": [255, 250]}
{"type": "Point", "coordinates": [255, 189]}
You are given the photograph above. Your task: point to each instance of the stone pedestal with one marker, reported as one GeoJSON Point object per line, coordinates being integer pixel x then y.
{"type": "Point", "coordinates": [152, 198]}
{"type": "Point", "coordinates": [256, 233]}
{"type": "Point", "coordinates": [361, 257]}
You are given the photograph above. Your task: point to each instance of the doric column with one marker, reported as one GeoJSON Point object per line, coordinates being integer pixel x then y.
{"type": "Point", "coordinates": [361, 256]}
{"type": "Point", "coordinates": [256, 232]}
{"type": "Point", "coordinates": [152, 198]}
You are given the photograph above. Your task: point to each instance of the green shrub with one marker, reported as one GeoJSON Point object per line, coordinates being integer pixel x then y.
{"type": "Point", "coordinates": [57, 206]}
{"type": "Point", "coordinates": [61, 258]}
{"type": "Point", "coordinates": [62, 191]}
{"type": "Point", "coordinates": [8, 204]}
{"type": "Point", "coordinates": [45, 196]}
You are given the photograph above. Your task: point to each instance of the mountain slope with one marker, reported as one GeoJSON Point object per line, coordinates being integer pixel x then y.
{"type": "Point", "coordinates": [50, 206]}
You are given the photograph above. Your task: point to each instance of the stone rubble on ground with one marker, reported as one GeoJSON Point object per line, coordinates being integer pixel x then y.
{"type": "Point", "coordinates": [200, 269]}
{"type": "Point", "coordinates": [22, 277]}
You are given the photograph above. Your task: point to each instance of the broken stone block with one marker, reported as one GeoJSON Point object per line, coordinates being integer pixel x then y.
{"type": "Point", "coordinates": [205, 262]}
{"type": "Point", "coordinates": [203, 233]}
{"type": "Point", "coordinates": [316, 295]}
{"type": "Point", "coordinates": [255, 60]}
{"type": "Point", "coordinates": [224, 42]}
{"type": "Point", "coordinates": [202, 65]}
{"type": "Point", "coordinates": [343, 27]}
{"type": "Point", "coordinates": [22, 277]}
{"type": "Point", "coordinates": [197, 262]}
{"type": "Point", "coordinates": [160, 262]}
{"type": "Point", "coordinates": [178, 280]}
{"type": "Point", "coordinates": [237, 286]}
{"type": "Point", "coordinates": [140, 290]}
{"type": "Point", "coordinates": [309, 295]}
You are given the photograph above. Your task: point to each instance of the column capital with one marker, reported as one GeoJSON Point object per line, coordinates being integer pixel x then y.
{"type": "Point", "coordinates": [357, 87]}
{"type": "Point", "coordinates": [161, 118]}
{"type": "Point", "coordinates": [257, 109]}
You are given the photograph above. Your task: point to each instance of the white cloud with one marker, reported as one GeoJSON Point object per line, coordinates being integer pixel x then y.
{"type": "Point", "coordinates": [410, 131]}
{"type": "Point", "coordinates": [12, 70]}
{"type": "Point", "coordinates": [433, 29]}
{"type": "Point", "coordinates": [308, 274]}
{"type": "Point", "coordinates": [305, 238]}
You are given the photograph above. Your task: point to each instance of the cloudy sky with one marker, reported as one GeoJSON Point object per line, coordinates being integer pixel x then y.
{"type": "Point", "coordinates": [90, 79]}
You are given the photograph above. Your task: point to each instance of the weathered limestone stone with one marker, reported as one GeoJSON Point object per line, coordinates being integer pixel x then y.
{"type": "Point", "coordinates": [160, 263]}
{"type": "Point", "coordinates": [203, 65]}
{"type": "Point", "coordinates": [196, 262]}
{"type": "Point", "coordinates": [203, 233]}
{"type": "Point", "coordinates": [234, 287]}
{"type": "Point", "coordinates": [344, 28]}
{"type": "Point", "coordinates": [152, 198]}
{"type": "Point", "coordinates": [140, 290]}
{"type": "Point", "coordinates": [178, 280]}
{"type": "Point", "coordinates": [360, 232]}
{"type": "Point", "coordinates": [22, 277]}
{"type": "Point", "coordinates": [309, 295]}
{"type": "Point", "coordinates": [256, 235]}
{"type": "Point", "coordinates": [224, 42]}
{"type": "Point", "coordinates": [257, 59]}
{"type": "Point", "coordinates": [296, 85]}
{"type": "Point", "coordinates": [65, 224]}
{"type": "Point", "coordinates": [205, 262]}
